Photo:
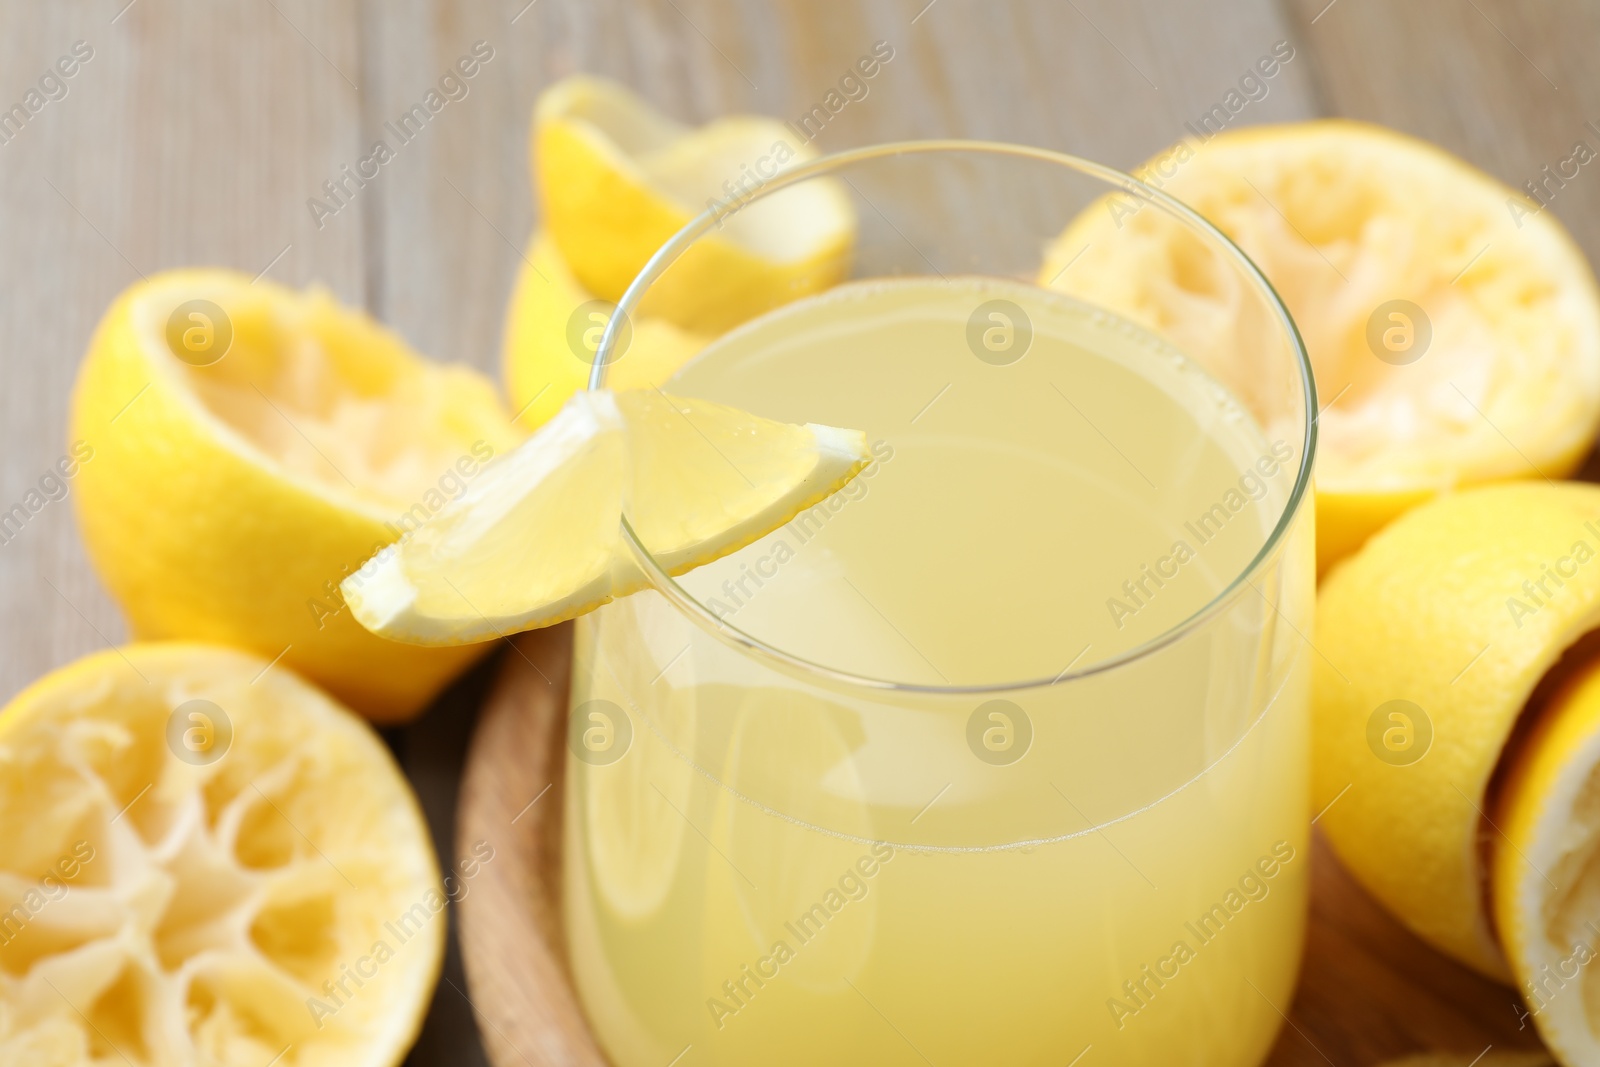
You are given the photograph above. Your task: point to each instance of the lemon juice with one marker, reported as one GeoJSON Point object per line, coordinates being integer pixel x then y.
{"type": "Point", "coordinates": [992, 756]}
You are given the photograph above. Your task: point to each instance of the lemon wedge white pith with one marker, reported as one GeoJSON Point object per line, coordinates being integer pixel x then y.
{"type": "Point", "coordinates": [537, 538]}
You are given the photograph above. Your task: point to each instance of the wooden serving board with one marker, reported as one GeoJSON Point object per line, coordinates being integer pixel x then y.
{"type": "Point", "coordinates": [1369, 991]}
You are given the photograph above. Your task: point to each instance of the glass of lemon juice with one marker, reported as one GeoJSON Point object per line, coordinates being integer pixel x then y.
{"type": "Point", "coordinates": [998, 755]}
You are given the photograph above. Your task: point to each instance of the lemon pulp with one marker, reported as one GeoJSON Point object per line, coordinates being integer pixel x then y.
{"type": "Point", "coordinates": [1455, 334]}
{"type": "Point", "coordinates": [197, 853]}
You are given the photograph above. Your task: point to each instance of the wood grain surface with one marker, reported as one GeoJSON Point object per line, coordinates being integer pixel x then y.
{"type": "Point", "coordinates": [511, 921]}
{"type": "Point", "coordinates": [198, 131]}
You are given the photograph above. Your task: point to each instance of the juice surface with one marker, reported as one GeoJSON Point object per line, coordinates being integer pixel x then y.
{"type": "Point", "coordinates": [778, 869]}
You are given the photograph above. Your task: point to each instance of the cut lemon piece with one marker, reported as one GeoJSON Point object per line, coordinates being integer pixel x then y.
{"type": "Point", "coordinates": [1453, 328]}
{"type": "Point", "coordinates": [1546, 867]}
{"type": "Point", "coordinates": [537, 538]}
{"type": "Point", "coordinates": [229, 487]}
{"type": "Point", "coordinates": [616, 179]}
{"type": "Point", "coordinates": [213, 863]}
{"type": "Point", "coordinates": [553, 328]}
{"type": "Point", "coordinates": [1431, 641]}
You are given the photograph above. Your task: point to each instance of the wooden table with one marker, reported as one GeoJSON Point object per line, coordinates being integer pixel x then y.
{"type": "Point", "coordinates": [197, 132]}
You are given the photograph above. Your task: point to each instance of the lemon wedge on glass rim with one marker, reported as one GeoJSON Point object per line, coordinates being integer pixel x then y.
{"type": "Point", "coordinates": [616, 179]}
{"type": "Point", "coordinates": [1453, 328]}
{"type": "Point", "coordinates": [537, 539]}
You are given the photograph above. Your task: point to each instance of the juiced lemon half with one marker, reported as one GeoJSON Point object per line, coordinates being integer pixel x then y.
{"type": "Point", "coordinates": [249, 447]}
{"type": "Point", "coordinates": [207, 861]}
{"type": "Point", "coordinates": [616, 179]}
{"type": "Point", "coordinates": [1546, 868]}
{"type": "Point", "coordinates": [1431, 642]}
{"type": "Point", "coordinates": [537, 538]}
{"type": "Point", "coordinates": [1453, 327]}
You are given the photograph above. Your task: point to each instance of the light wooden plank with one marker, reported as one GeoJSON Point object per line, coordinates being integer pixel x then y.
{"type": "Point", "coordinates": [194, 135]}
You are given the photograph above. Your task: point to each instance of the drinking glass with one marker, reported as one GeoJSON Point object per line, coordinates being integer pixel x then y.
{"type": "Point", "coordinates": [998, 755]}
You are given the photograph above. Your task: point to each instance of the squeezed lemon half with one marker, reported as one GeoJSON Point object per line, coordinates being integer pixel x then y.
{"type": "Point", "coordinates": [207, 861]}
{"type": "Point", "coordinates": [616, 179]}
{"type": "Point", "coordinates": [537, 539]}
{"type": "Point", "coordinates": [253, 445]}
{"type": "Point", "coordinates": [1546, 868]}
{"type": "Point", "coordinates": [1430, 647]}
{"type": "Point", "coordinates": [1454, 333]}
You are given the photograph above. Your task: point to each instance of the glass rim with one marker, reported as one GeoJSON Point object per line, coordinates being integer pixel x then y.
{"type": "Point", "coordinates": [748, 644]}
